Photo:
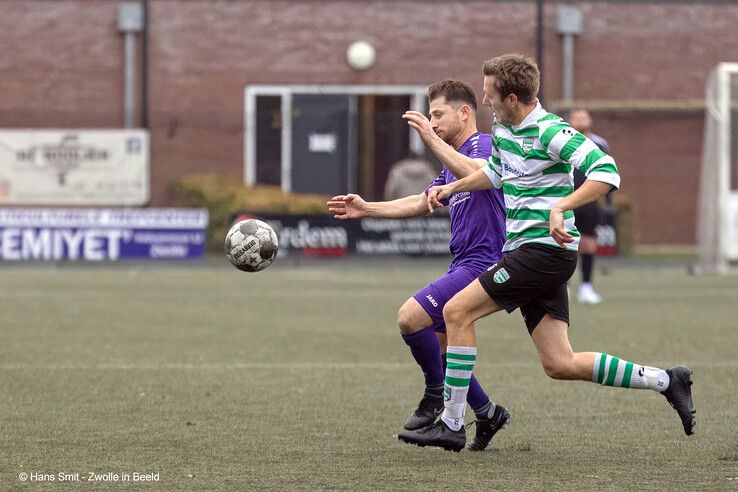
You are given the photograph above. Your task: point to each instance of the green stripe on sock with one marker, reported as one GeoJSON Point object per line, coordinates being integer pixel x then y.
{"type": "Point", "coordinates": [601, 372]}
{"type": "Point", "coordinates": [626, 376]}
{"type": "Point", "coordinates": [460, 382]}
{"type": "Point", "coordinates": [460, 367]}
{"type": "Point", "coordinates": [451, 355]}
{"type": "Point", "coordinates": [612, 372]}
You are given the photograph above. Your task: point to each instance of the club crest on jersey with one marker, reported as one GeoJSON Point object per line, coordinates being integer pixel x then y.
{"type": "Point", "coordinates": [527, 144]}
{"type": "Point", "coordinates": [501, 276]}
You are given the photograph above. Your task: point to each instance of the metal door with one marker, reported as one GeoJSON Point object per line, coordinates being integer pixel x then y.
{"type": "Point", "coordinates": [323, 143]}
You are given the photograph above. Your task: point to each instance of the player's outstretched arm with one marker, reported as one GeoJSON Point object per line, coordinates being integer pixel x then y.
{"type": "Point", "coordinates": [352, 206]}
{"type": "Point", "coordinates": [349, 206]}
{"type": "Point", "coordinates": [459, 164]}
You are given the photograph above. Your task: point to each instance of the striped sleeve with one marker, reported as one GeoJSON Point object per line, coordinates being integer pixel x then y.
{"type": "Point", "coordinates": [493, 169]}
{"type": "Point", "coordinates": [563, 143]}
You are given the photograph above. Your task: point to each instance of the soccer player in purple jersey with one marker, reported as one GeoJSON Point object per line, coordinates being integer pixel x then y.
{"type": "Point", "coordinates": [477, 236]}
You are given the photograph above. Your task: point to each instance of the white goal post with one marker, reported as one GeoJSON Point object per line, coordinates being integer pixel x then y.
{"type": "Point", "coordinates": [717, 223]}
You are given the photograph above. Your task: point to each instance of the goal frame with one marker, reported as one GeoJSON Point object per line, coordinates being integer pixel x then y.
{"type": "Point", "coordinates": [717, 224]}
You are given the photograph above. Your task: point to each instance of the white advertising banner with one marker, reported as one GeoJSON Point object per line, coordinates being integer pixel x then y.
{"type": "Point", "coordinates": [74, 167]}
{"type": "Point", "coordinates": [102, 234]}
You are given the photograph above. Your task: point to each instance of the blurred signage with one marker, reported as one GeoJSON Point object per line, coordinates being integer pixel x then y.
{"type": "Point", "coordinates": [607, 239]}
{"type": "Point", "coordinates": [74, 167]}
{"type": "Point", "coordinates": [323, 142]}
{"type": "Point", "coordinates": [322, 235]}
{"type": "Point", "coordinates": [101, 234]}
{"type": "Point", "coordinates": [414, 236]}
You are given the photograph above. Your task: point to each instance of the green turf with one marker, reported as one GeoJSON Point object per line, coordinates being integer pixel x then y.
{"type": "Point", "coordinates": [296, 378]}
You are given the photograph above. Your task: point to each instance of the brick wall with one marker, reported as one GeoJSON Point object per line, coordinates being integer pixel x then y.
{"type": "Point", "coordinates": [62, 67]}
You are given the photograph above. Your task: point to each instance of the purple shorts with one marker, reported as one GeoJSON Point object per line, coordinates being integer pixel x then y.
{"type": "Point", "coordinates": [436, 294]}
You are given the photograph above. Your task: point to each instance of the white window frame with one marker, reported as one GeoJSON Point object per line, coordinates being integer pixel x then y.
{"type": "Point", "coordinates": [417, 94]}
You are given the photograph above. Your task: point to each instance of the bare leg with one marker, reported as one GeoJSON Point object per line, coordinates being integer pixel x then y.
{"type": "Point", "coordinates": [559, 361]}
{"type": "Point", "coordinates": [463, 310]}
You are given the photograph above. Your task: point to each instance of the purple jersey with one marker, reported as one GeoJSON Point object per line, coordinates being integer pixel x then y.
{"type": "Point", "coordinates": [477, 217]}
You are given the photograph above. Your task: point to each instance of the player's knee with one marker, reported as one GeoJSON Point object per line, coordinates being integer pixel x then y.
{"type": "Point", "coordinates": [453, 315]}
{"type": "Point", "coordinates": [558, 369]}
{"type": "Point", "coordinates": [407, 321]}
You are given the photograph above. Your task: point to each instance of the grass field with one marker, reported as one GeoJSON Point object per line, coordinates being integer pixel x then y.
{"type": "Point", "coordinates": [296, 378]}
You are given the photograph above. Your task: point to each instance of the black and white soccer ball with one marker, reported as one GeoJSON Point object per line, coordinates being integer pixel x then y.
{"type": "Point", "coordinates": [251, 245]}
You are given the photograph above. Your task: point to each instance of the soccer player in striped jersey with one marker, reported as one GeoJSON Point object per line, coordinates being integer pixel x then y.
{"type": "Point", "coordinates": [532, 159]}
{"type": "Point", "coordinates": [477, 236]}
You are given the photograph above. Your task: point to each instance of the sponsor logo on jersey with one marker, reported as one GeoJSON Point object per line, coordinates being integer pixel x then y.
{"type": "Point", "coordinates": [501, 276]}
{"type": "Point", "coordinates": [517, 172]}
{"type": "Point", "coordinates": [459, 197]}
{"type": "Point", "coordinates": [527, 144]}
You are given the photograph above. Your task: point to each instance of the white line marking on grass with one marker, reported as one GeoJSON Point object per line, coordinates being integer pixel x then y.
{"type": "Point", "coordinates": [290, 366]}
{"type": "Point", "coordinates": [240, 365]}
{"type": "Point", "coordinates": [217, 367]}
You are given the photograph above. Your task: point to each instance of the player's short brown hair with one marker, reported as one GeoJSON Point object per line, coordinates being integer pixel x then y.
{"type": "Point", "coordinates": [514, 74]}
{"type": "Point", "coordinates": [455, 91]}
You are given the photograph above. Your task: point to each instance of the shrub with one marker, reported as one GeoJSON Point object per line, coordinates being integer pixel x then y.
{"type": "Point", "coordinates": [224, 196]}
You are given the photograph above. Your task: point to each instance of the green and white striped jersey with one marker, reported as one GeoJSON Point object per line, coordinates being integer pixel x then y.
{"type": "Point", "coordinates": [533, 164]}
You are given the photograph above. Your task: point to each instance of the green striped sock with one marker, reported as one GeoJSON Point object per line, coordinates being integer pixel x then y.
{"type": "Point", "coordinates": [611, 371]}
{"type": "Point", "coordinates": [460, 364]}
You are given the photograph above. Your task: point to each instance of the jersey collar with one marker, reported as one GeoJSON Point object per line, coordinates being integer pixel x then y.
{"type": "Point", "coordinates": [532, 118]}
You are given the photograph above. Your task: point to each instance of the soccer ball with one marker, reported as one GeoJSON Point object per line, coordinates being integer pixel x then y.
{"type": "Point", "coordinates": [251, 245]}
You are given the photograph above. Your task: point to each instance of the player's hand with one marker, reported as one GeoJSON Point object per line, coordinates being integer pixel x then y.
{"type": "Point", "coordinates": [435, 195]}
{"type": "Point", "coordinates": [349, 206]}
{"type": "Point", "coordinates": [557, 229]}
{"type": "Point", "coordinates": [421, 124]}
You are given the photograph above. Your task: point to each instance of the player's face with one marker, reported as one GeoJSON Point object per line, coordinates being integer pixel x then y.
{"type": "Point", "coordinates": [445, 119]}
{"type": "Point", "coordinates": [500, 107]}
{"type": "Point", "coordinates": [581, 121]}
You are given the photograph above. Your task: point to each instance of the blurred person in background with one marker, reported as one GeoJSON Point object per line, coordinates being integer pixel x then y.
{"type": "Point", "coordinates": [477, 235]}
{"type": "Point", "coordinates": [407, 176]}
{"type": "Point", "coordinates": [589, 216]}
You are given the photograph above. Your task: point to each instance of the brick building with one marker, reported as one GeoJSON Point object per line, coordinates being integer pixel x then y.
{"type": "Point", "coordinates": [640, 67]}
